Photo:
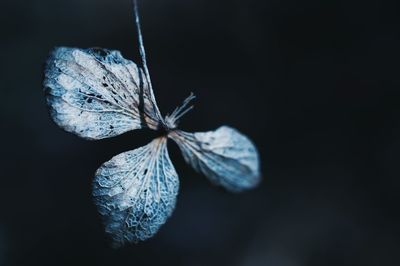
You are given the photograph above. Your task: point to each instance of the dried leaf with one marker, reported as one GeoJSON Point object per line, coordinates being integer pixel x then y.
{"type": "Point", "coordinates": [225, 156]}
{"type": "Point", "coordinates": [135, 192]}
{"type": "Point", "coordinates": [96, 93]}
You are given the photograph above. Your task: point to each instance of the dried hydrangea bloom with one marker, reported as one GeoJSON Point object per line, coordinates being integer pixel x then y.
{"type": "Point", "coordinates": [96, 93]}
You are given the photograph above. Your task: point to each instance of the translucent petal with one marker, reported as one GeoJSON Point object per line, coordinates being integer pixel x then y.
{"type": "Point", "coordinates": [135, 192]}
{"type": "Point", "coordinates": [96, 93]}
{"type": "Point", "coordinates": [225, 156]}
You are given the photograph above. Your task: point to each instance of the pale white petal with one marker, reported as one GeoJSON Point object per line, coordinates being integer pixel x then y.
{"type": "Point", "coordinates": [135, 192]}
{"type": "Point", "coordinates": [225, 156]}
{"type": "Point", "coordinates": [96, 93]}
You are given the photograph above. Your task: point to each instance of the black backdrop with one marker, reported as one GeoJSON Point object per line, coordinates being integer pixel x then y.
{"type": "Point", "coordinates": [315, 84]}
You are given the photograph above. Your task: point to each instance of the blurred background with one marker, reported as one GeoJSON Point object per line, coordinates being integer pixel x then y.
{"type": "Point", "coordinates": [315, 84]}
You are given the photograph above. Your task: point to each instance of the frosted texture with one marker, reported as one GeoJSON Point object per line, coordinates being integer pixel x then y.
{"type": "Point", "coordinates": [135, 192]}
{"type": "Point", "coordinates": [225, 156]}
{"type": "Point", "coordinates": [96, 93]}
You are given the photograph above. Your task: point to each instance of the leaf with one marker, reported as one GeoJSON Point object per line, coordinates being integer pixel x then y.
{"type": "Point", "coordinates": [225, 156]}
{"type": "Point", "coordinates": [136, 191]}
{"type": "Point", "coordinates": [95, 93]}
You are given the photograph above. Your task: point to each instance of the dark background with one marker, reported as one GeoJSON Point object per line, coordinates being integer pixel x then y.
{"type": "Point", "coordinates": [315, 84]}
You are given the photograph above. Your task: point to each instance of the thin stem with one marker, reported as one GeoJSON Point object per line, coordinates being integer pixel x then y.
{"type": "Point", "coordinates": [183, 112]}
{"type": "Point", "coordinates": [180, 111]}
{"type": "Point", "coordinates": [143, 56]}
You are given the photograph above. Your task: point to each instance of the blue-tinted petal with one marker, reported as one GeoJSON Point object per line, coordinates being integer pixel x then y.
{"type": "Point", "coordinates": [227, 157]}
{"type": "Point", "coordinates": [96, 93]}
{"type": "Point", "coordinates": [136, 191]}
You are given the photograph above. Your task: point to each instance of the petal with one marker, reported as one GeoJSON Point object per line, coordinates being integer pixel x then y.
{"type": "Point", "coordinates": [227, 157]}
{"type": "Point", "coordinates": [136, 191]}
{"type": "Point", "coordinates": [96, 93]}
